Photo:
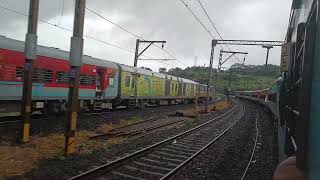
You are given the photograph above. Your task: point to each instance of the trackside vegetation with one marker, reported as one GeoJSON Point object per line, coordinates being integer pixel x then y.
{"type": "Point", "coordinates": [243, 77]}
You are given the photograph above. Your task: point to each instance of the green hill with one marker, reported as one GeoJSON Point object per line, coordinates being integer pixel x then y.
{"type": "Point", "coordinates": [244, 77]}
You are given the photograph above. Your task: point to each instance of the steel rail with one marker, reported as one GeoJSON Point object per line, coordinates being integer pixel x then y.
{"type": "Point", "coordinates": [178, 168]}
{"type": "Point", "coordinates": [20, 120]}
{"type": "Point", "coordinates": [9, 122]}
{"type": "Point", "coordinates": [254, 148]}
{"type": "Point", "coordinates": [82, 115]}
{"type": "Point", "coordinates": [104, 167]}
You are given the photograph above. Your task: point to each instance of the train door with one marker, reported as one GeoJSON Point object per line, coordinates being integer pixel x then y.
{"type": "Point", "coordinates": [133, 79]}
{"type": "Point", "coordinates": [184, 89]}
{"type": "Point", "coordinates": [99, 83]}
{"type": "Point", "coordinates": [167, 87]}
{"type": "Point", "coordinates": [192, 93]}
{"type": "Point", "coordinates": [180, 89]}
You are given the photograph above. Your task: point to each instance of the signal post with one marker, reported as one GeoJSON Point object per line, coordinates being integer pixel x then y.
{"type": "Point", "coordinates": [76, 53]}
{"type": "Point", "coordinates": [30, 55]}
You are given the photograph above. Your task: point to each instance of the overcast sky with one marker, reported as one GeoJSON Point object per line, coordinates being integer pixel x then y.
{"type": "Point", "coordinates": [156, 20]}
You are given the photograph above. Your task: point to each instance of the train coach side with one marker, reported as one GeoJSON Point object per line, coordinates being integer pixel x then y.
{"type": "Point", "coordinates": [153, 88]}
{"type": "Point", "coordinates": [98, 80]}
{"type": "Point", "coordinates": [103, 84]}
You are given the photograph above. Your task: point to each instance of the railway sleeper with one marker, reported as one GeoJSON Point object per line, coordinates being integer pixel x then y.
{"type": "Point", "coordinates": [172, 155]}
{"type": "Point", "coordinates": [147, 167]}
{"type": "Point", "coordinates": [176, 151]}
{"type": "Point", "coordinates": [120, 175]}
{"type": "Point", "coordinates": [162, 157]}
{"type": "Point", "coordinates": [156, 162]}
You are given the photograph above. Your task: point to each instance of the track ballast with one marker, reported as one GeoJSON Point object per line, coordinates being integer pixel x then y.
{"type": "Point", "coordinates": [166, 158]}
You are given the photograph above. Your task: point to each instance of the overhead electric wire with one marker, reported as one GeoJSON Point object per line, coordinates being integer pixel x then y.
{"type": "Point", "coordinates": [69, 30]}
{"type": "Point", "coordinates": [216, 29]}
{"type": "Point", "coordinates": [196, 17]}
{"type": "Point", "coordinates": [201, 23]}
{"type": "Point", "coordinates": [131, 33]}
{"type": "Point", "coordinates": [205, 11]}
{"type": "Point", "coordinates": [66, 29]}
{"type": "Point", "coordinates": [87, 36]}
{"type": "Point", "coordinates": [62, 12]}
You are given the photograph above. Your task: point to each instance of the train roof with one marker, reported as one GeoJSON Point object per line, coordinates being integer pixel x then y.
{"type": "Point", "coordinates": [156, 74]}
{"type": "Point", "coordinates": [16, 45]}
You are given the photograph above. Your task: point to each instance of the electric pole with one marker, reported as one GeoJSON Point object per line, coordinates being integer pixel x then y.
{"type": "Point", "coordinates": [134, 91]}
{"type": "Point", "coordinates": [30, 55]}
{"type": "Point", "coordinates": [221, 61]}
{"type": "Point", "coordinates": [229, 88]}
{"type": "Point", "coordinates": [213, 45]}
{"type": "Point", "coordinates": [268, 51]}
{"type": "Point", "coordinates": [137, 54]}
{"type": "Point", "coordinates": [76, 53]}
{"type": "Point", "coordinates": [265, 44]}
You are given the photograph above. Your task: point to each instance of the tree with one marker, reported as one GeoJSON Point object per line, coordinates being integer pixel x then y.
{"type": "Point", "coordinates": [162, 70]}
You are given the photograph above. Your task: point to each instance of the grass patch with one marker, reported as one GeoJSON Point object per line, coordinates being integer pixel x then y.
{"type": "Point", "coordinates": [17, 160]}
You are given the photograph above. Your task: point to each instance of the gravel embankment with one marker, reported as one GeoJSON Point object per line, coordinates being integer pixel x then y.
{"type": "Point", "coordinates": [266, 154]}
{"type": "Point", "coordinates": [73, 165]}
{"type": "Point", "coordinates": [228, 158]}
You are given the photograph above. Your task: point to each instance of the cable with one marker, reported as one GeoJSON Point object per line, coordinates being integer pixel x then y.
{"type": "Point", "coordinates": [209, 19]}
{"type": "Point", "coordinates": [69, 30]}
{"type": "Point", "coordinates": [195, 16]}
{"type": "Point", "coordinates": [89, 37]}
{"type": "Point", "coordinates": [200, 22]}
{"type": "Point", "coordinates": [205, 11]}
{"type": "Point", "coordinates": [131, 33]}
{"type": "Point", "coordinates": [99, 15]}
{"type": "Point", "coordinates": [62, 12]}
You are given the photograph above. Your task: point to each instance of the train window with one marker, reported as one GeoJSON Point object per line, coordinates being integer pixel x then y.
{"type": "Point", "coordinates": [19, 73]}
{"type": "Point", "coordinates": [176, 87]}
{"type": "Point", "coordinates": [127, 81]}
{"type": "Point", "coordinates": [42, 75]}
{"type": "Point", "coordinates": [38, 75]}
{"type": "Point", "coordinates": [111, 81]}
{"type": "Point", "coordinates": [62, 78]}
{"type": "Point", "coordinates": [87, 80]}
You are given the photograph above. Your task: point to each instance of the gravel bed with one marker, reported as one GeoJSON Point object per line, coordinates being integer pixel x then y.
{"type": "Point", "coordinates": [73, 165]}
{"type": "Point", "coordinates": [266, 154]}
{"type": "Point", "coordinates": [195, 140]}
{"type": "Point", "coordinates": [228, 157]}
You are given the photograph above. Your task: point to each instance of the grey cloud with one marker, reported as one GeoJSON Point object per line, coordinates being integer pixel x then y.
{"type": "Point", "coordinates": [160, 20]}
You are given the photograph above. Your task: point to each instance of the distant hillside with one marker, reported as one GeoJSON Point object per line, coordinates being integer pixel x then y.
{"type": "Point", "coordinates": [244, 77]}
{"type": "Point", "coordinates": [272, 71]}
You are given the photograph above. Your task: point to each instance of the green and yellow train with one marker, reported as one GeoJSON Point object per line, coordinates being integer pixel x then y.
{"type": "Point", "coordinates": [103, 84]}
{"type": "Point", "coordinates": [142, 87]}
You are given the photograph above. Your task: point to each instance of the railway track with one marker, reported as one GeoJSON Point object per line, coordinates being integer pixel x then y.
{"type": "Point", "coordinates": [138, 128]}
{"type": "Point", "coordinates": [166, 158]}
{"type": "Point", "coordinates": [18, 119]}
{"type": "Point", "coordinates": [253, 150]}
